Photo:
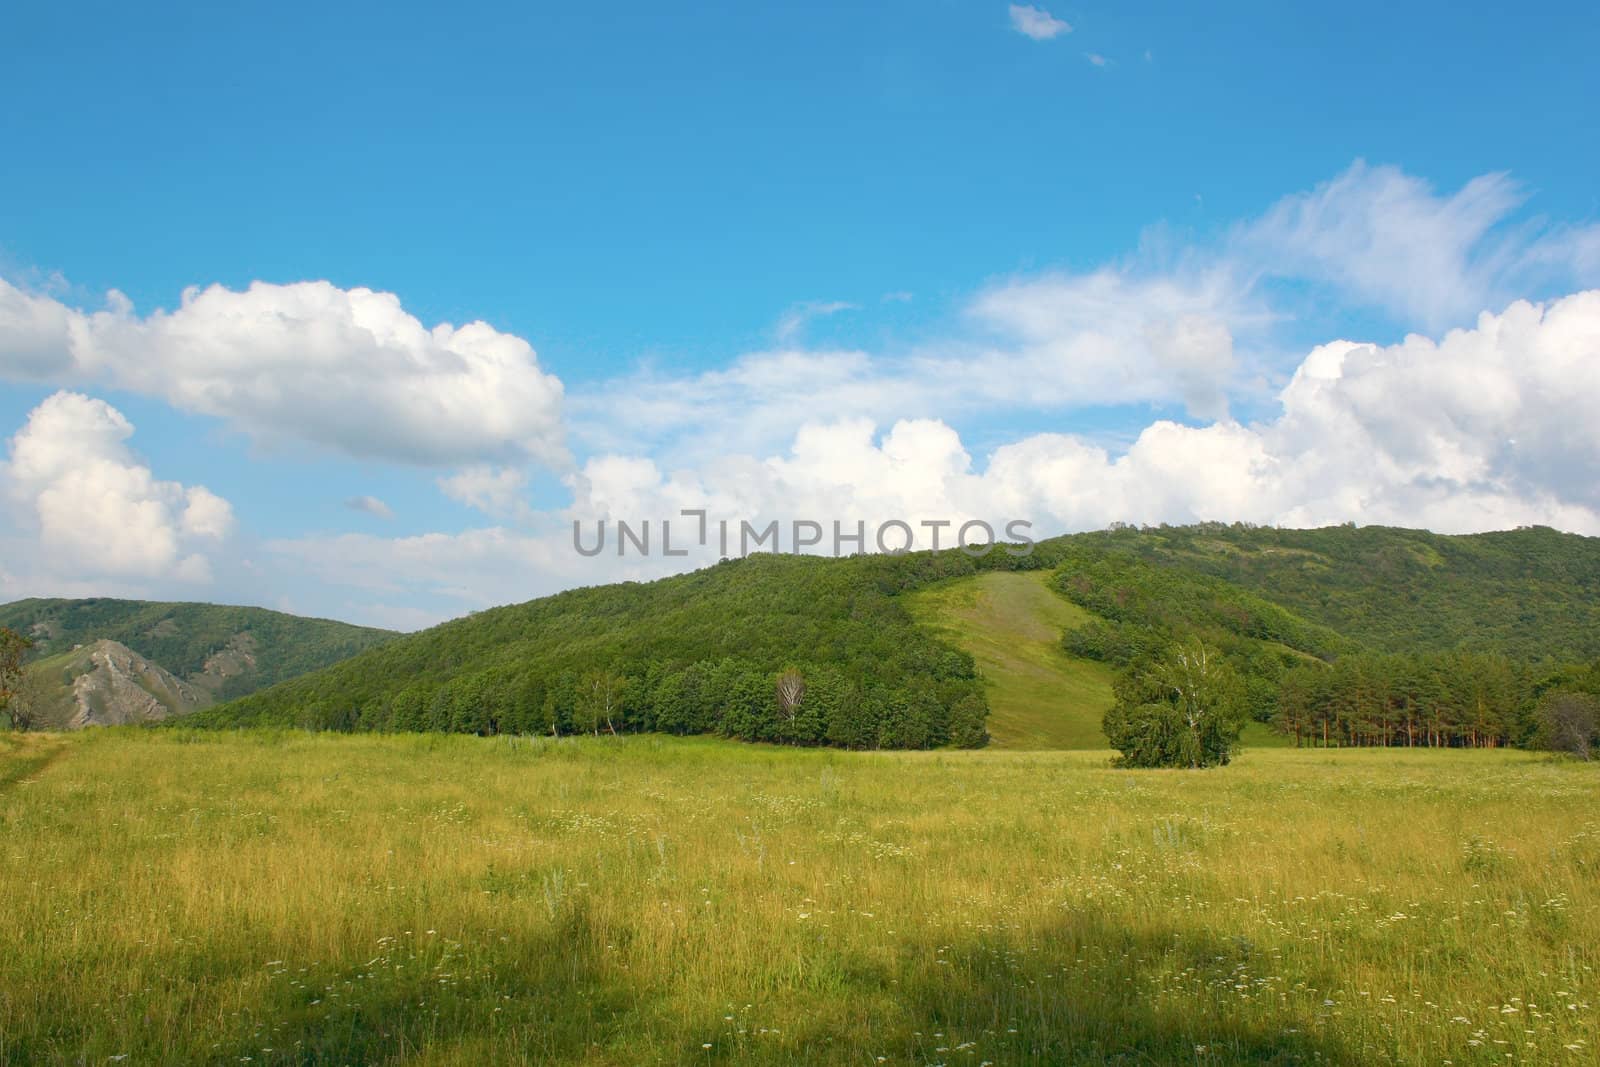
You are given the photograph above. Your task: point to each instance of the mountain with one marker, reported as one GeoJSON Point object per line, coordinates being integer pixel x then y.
{"type": "Point", "coordinates": [702, 652]}
{"type": "Point", "coordinates": [106, 684]}
{"type": "Point", "coordinates": [183, 656]}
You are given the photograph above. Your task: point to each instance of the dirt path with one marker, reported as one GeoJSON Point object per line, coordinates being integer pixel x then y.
{"type": "Point", "coordinates": [25, 758]}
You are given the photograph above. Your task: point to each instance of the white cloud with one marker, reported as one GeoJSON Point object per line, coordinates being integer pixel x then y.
{"type": "Point", "coordinates": [349, 371]}
{"type": "Point", "coordinates": [1036, 22]}
{"type": "Point", "coordinates": [1485, 428]}
{"type": "Point", "coordinates": [1388, 239]}
{"type": "Point", "coordinates": [205, 514]}
{"type": "Point", "coordinates": [1055, 342]}
{"type": "Point", "coordinates": [84, 506]}
{"type": "Point", "coordinates": [1097, 60]}
{"type": "Point", "coordinates": [1173, 324]}
{"type": "Point", "coordinates": [794, 321]}
{"type": "Point", "coordinates": [370, 505]}
{"type": "Point", "coordinates": [1475, 428]}
{"type": "Point", "coordinates": [499, 492]}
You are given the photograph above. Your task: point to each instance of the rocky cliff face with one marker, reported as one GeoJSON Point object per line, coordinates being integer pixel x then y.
{"type": "Point", "coordinates": [112, 685]}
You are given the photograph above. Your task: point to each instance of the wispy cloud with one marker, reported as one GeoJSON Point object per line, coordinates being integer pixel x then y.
{"type": "Point", "coordinates": [1096, 59]}
{"type": "Point", "coordinates": [1205, 327]}
{"type": "Point", "coordinates": [1433, 260]}
{"type": "Point", "coordinates": [370, 505]}
{"type": "Point", "coordinates": [794, 321]}
{"type": "Point", "coordinates": [1037, 23]}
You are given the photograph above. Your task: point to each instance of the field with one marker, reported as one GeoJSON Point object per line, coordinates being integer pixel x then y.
{"type": "Point", "coordinates": [272, 898]}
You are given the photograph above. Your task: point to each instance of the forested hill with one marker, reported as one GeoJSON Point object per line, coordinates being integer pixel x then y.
{"type": "Point", "coordinates": [1530, 593]}
{"type": "Point", "coordinates": [703, 652]}
{"type": "Point", "coordinates": [225, 651]}
{"type": "Point", "coordinates": [689, 654]}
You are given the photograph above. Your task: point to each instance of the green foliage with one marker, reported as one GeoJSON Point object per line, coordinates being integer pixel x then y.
{"type": "Point", "coordinates": [1434, 640]}
{"type": "Point", "coordinates": [1144, 603]}
{"type": "Point", "coordinates": [1144, 609]}
{"type": "Point", "coordinates": [1431, 699]}
{"type": "Point", "coordinates": [1568, 722]}
{"type": "Point", "coordinates": [1183, 709]}
{"type": "Point", "coordinates": [698, 653]}
{"type": "Point", "coordinates": [13, 646]}
{"type": "Point", "coordinates": [1530, 594]}
{"type": "Point", "coordinates": [182, 637]}
{"type": "Point", "coordinates": [1479, 622]}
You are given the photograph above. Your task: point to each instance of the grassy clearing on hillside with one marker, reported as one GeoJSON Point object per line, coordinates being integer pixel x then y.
{"type": "Point", "coordinates": [224, 897]}
{"type": "Point", "coordinates": [1039, 697]}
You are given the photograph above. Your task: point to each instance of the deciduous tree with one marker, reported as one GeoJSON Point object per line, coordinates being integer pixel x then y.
{"type": "Point", "coordinates": [1185, 709]}
{"type": "Point", "coordinates": [1568, 722]}
{"type": "Point", "coordinates": [13, 646]}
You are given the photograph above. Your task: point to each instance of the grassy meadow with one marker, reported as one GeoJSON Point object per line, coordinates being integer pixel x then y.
{"type": "Point", "coordinates": [168, 896]}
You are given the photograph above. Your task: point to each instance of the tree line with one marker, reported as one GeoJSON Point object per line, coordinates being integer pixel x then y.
{"type": "Point", "coordinates": [1154, 619]}
{"type": "Point", "coordinates": [813, 705]}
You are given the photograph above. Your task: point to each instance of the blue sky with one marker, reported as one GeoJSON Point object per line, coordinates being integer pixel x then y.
{"type": "Point", "coordinates": [652, 197]}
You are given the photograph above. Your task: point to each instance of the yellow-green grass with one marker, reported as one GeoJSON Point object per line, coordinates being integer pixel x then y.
{"type": "Point", "coordinates": [1039, 697]}
{"type": "Point", "coordinates": [228, 898]}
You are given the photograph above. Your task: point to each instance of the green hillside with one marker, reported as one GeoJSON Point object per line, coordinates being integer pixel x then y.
{"type": "Point", "coordinates": [1040, 695]}
{"type": "Point", "coordinates": [695, 653]}
{"type": "Point", "coordinates": [223, 651]}
{"type": "Point", "coordinates": [1484, 620]}
{"type": "Point", "coordinates": [1527, 593]}
{"type": "Point", "coordinates": [1011, 623]}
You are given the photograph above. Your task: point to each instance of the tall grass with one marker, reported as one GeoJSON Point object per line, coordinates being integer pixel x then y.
{"type": "Point", "coordinates": [290, 898]}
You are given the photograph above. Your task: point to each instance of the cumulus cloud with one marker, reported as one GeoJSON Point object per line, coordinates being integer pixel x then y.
{"type": "Point", "coordinates": [85, 506]}
{"type": "Point", "coordinates": [1036, 22]}
{"type": "Point", "coordinates": [370, 505]}
{"type": "Point", "coordinates": [1481, 429]}
{"type": "Point", "coordinates": [1173, 324]}
{"type": "Point", "coordinates": [496, 491]}
{"type": "Point", "coordinates": [1484, 428]}
{"type": "Point", "coordinates": [1480, 423]}
{"type": "Point", "coordinates": [347, 370]}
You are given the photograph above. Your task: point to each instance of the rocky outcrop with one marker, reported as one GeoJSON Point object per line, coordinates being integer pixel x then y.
{"type": "Point", "coordinates": [112, 685]}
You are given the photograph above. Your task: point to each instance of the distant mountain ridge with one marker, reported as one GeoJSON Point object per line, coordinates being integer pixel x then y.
{"type": "Point", "coordinates": [105, 660]}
